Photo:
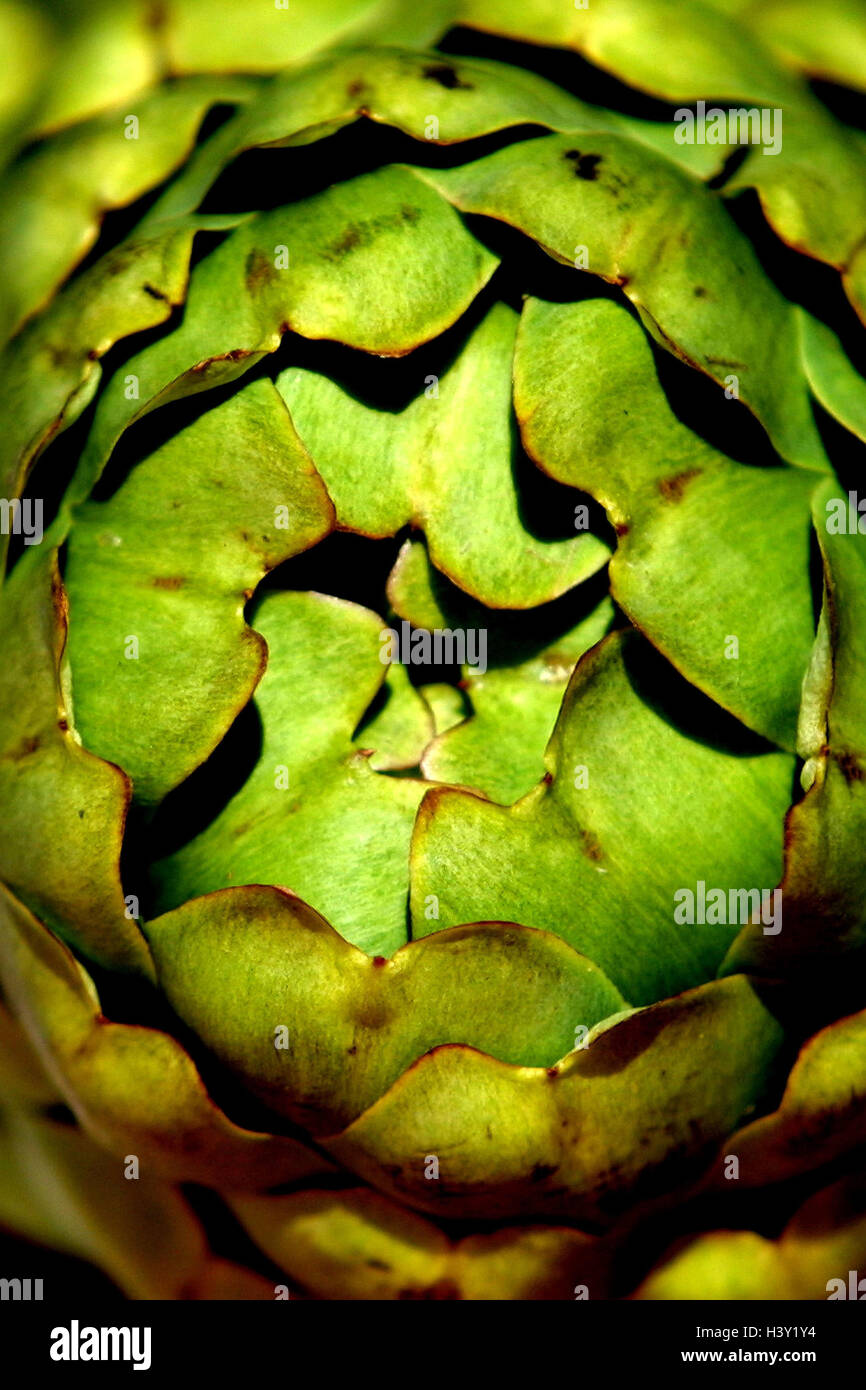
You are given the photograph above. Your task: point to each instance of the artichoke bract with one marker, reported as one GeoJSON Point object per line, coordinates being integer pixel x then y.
{"type": "Point", "coordinates": [433, 690]}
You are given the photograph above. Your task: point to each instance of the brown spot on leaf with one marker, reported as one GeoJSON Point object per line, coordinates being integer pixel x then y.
{"type": "Point", "coordinates": [154, 292]}
{"type": "Point", "coordinates": [590, 846]}
{"type": "Point", "coordinates": [348, 240]}
{"type": "Point", "coordinates": [23, 749]}
{"type": "Point", "coordinates": [672, 489]}
{"type": "Point", "coordinates": [850, 767]}
{"type": "Point", "coordinates": [447, 76]}
{"type": "Point", "coordinates": [355, 88]}
{"type": "Point", "coordinates": [585, 165]}
{"type": "Point", "coordinates": [700, 292]}
{"type": "Point", "coordinates": [622, 528]}
{"type": "Point", "coordinates": [168, 581]}
{"type": "Point", "coordinates": [259, 270]}
{"type": "Point", "coordinates": [379, 961]}
{"type": "Point", "coordinates": [358, 234]}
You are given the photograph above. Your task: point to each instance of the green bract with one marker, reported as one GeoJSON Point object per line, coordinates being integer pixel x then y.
{"type": "Point", "coordinates": [433, 681]}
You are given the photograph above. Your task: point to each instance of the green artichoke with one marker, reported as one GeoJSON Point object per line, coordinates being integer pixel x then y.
{"type": "Point", "coordinates": [433, 695]}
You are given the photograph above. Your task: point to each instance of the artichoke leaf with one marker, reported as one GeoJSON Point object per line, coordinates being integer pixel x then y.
{"type": "Point", "coordinates": [357, 1244]}
{"type": "Point", "coordinates": [52, 200]}
{"type": "Point", "coordinates": [820, 1117]}
{"type": "Point", "coordinates": [499, 748]}
{"type": "Point", "coordinates": [690, 568]}
{"type": "Point", "coordinates": [135, 1090]}
{"type": "Point", "coordinates": [157, 609]}
{"type": "Point", "coordinates": [432, 98]}
{"type": "Point", "coordinates": [629, 1117]}
{"type": "Point", "coordinates": [619, 211]}
{"type": "Point", "coordinates": [824, 881]}
{"type": "Point", "coordinates": [823, 1241]}
{"type": "Point", "coordinates": [647, 795]}
{"type": "Point", "coordinates": [242, 965]}
{"type": "Point", "coordinates": [60, 850]}
{"type": "Point", "coordinates": [396, 734]}
{"type": "Point", "coordinates": [313, 816]}
{"type": "Point", "coordinates": [217, 36]}
{"type": "Point", "coordinates": [51, 371]}
{"type": "Point", "coordinates": [812, 189]}
{"type": "Point", "coordinates": [385, 470]}
{"type": "Point", "coordinates": [834, 380]}
{"type": "Point", "coordinates": [380, 262]}
{"type": "Point", "coordinates": [61, 1190]}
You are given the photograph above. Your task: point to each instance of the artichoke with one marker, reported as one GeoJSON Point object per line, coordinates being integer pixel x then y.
{"type": "Point", "coordinates": [432, 724]}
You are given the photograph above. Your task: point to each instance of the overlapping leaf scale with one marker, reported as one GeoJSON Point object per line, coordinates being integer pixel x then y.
{"type": "Point", "coordinates": [100, 54]}
{"type": "Point", "coordinates": [823, 1241]}
{"type": "Point", "coordinates": [638, 221]}
{"type": "Point", "coordinates": [313, 816]}
{"type": "Point", "coordinates": [52, 200]}
{"type": "Point", "coordinates": [442, 100]}
{"type": "Point", "coordinates": [134, 1089]}
{"type": "Point", "coordinates": [824, 40]}
{"type": "Point", "coordinates": [63, 1192]}
{"type": "Point", "coordinates": [645, 43]}
{"type": "Point", "coordinates": [833, 379]}
{"type": "Point", "coordinates": [691, 567]}
{"type": "Point", "coordinates": [356, 1244]}
{"type": "Point", "coordinates": [379, 262]}
{"type": "Point", "coordinates": [50, 373]}
{"type": "Point", "coordinates": [217, 35]}
{"type": "Point", "coordinates": [23, 1080]}
{"type": "Point", "coordinates": [626, 1118]}
{"type": "Point", "coordinates": [240, 965]}
{"type": "Point", "coordinates": [813, 192]}
{"type": "Point", "coordinates": [95, 53]}
{"type": "Point", "coordinates": [820, 1117]}
{"type": "Point", "coordinates": [395, 734]}
{"type": "Point", "coordinates": [446, 703]}
{"type": "Point", "coordinates": [25, 40]}
{"type": "Point", "coordinates": [647, 792]}
{"type": "Point", "coordinates": [824, 882]}
{"type": "Point", "coordinates": [168, 563]}
{"type": "Point", "coordinates": [385, 470]}
{"type": "Point", "coordinates": [62, 809]}
{"type": "Point", "coordinates": [499, 748]}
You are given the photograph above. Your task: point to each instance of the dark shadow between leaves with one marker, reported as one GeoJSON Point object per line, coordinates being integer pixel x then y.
{"type": "Point", "coordinates": [196, 803]}
{"type": "Point", "coordinates": [658, 684]}
{"type": "Point", "coordinates": [259, 180]}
